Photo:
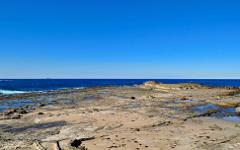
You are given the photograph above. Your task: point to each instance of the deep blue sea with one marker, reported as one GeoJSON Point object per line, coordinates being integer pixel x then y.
{"type": "Point", "coordinates": [11, 86]}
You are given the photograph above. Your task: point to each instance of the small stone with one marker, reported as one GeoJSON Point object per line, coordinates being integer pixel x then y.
{"type": "Point", "coordinates": [42, 105]}
{"type": "Point", "coordinates": [137, 129]}
{"type": "Point", "coordinates": [133, 98]}
{"type": "Point", "coordinates": [40, 113]}
{"type": "Point", "coordinates": [95, 109]}
{"type": "Point", "coordinates": [150, 97]}
{"type": "Point", "coordinates": [184, 98]}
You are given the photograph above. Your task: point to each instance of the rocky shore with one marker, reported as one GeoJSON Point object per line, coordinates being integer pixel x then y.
{"type": "Point", "coordinates": [151, 116]}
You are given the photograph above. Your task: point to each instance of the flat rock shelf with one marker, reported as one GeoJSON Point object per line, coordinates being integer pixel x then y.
{"type": "Point", "coordinates": [151, 116]}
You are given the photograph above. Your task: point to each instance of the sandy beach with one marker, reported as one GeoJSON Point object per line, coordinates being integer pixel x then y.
{"type": "Point", "coordinates": [151, 116]}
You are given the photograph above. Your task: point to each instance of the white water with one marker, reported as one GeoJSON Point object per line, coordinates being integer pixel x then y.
{"type": "Point", "coordinates": [7, 92]}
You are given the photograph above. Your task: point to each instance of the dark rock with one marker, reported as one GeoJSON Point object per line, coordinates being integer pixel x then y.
{"type": "Point", "coordinates": [184, 98]}
{"type": "Point", "coordinates": [11, 111]}
{"type": "Point", "coordinates": [95, 109]}
{"type": "Point", "coordinates": [133, 97]}
{"type": "Point", "coordinates": [137, 129]}
{"type": "Point", "coordinates": [76, 143]}
{"type": "Point", "coordinates": [164, 123]}
{"type": "Point", "coordinates": [42, 105]}
{"type": "Point", "coordinates": [40, 113]}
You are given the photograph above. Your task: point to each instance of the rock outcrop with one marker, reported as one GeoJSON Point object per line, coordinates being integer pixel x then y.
{"type": "Point", "coordinates": [165, 87]}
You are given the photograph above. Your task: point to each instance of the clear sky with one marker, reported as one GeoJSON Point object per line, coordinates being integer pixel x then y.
{"type": "Point", "coordinates": [119, 39]}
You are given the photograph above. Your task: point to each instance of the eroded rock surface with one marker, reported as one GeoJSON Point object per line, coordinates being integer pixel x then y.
{"type": "Point", "coordinates": [151, 116]}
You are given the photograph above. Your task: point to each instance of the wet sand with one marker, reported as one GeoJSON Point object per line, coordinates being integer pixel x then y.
{"type": "Point", "coordinates": [151, 116]}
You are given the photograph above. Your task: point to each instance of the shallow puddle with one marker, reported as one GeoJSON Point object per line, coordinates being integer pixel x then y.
{"type": "Point", "coordinates": [18, 103]}
{"type": "Point", "coordinates": [189, 101]}
{"type": "Point", "coordinates": [228, 114]}
{"type": "Point", "coordinates": [205, 108]}
{"type": "Point", "coordinates": [232, 118]}
{"type": "Point", "coordinates": [91, 97]}
{"type": "Point", "coordinates": [4, 105]}
{"type": "Point", "coordinates": [65, 101]}
{"type": "Point", "coordinates": [104, 92]}
{"type": "Point", "coordinates": [237, 95]}
{"type": "Point", "coordinates": [132, 106]}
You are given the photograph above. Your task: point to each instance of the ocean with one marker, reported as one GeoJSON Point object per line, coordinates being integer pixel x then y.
{"type": "Point", "coordinates": [13, 86]}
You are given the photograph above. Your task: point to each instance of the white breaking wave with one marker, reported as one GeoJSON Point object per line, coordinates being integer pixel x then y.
{"type": "Point", "coordinates": [79, 88]}
{"type": "Point", "coordinates": [69, 88]}
{"type": "Point", "coordinates": [7, 92]}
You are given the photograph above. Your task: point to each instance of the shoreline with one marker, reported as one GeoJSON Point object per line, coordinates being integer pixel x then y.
{"type": "Point", "coordinates": [26, 94]}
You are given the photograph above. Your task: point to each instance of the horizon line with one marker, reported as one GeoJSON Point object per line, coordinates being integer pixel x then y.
{"type": "Point", "coordinates": [119, 78]}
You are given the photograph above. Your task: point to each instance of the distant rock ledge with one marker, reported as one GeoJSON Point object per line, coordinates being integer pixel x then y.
{"type": "Point", "coordinates": [160, 86]}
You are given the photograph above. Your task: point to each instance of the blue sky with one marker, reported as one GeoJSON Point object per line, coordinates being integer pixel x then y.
{"type": "Point", "coordinates": [119, 39]}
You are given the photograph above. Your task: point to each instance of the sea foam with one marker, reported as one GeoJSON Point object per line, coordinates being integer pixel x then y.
{"type": "Point", "coordinates": [7, 92]}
